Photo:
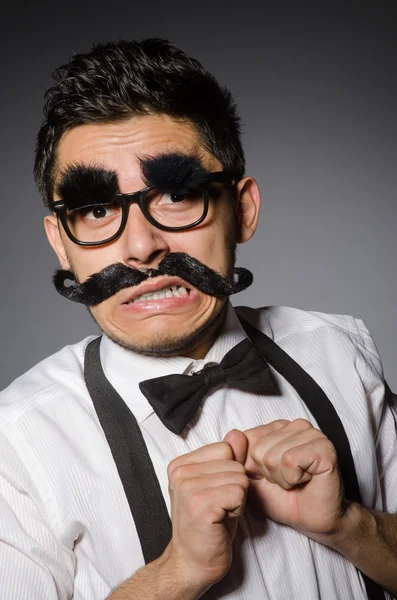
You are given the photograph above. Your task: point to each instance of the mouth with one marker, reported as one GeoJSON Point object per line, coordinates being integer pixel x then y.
{"type": "Point", "coordinates": [158, 289]}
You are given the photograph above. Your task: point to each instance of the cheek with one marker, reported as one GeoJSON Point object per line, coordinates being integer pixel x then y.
{"type": "Point", "coordinates": [87, 261]}
{"type": "Point", "coordinates": [99, 312]}
{"type": "Point", "coordinates": [207, 244]}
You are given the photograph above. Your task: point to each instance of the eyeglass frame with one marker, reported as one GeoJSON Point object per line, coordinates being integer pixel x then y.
{"type": "Point", "coordinates": [60, 208]}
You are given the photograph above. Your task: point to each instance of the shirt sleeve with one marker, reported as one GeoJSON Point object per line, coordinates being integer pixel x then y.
{"type": "Point", "coordinates": [378, 392]}
{"type": "Point", "coordinates": [34, 564]}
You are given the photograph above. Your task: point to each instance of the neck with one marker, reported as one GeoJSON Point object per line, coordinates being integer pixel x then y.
{"type": "Point", "coordinates": [200, 348]}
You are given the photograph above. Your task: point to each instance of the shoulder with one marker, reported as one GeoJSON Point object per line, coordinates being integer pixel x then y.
{"type": "Point", "coordinates": [316, 331]}
{"type": "Point", "coordinates": [55, 377]}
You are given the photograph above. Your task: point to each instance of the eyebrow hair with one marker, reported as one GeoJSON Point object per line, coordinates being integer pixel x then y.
{"type": "Point", "coordinates": [87, 185]}
{"type": "Point", "coordinates": [83, 185]}
{"type": "Point", "coordinates": [173, 171]}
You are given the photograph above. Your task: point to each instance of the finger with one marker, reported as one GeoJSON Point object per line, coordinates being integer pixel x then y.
{"type": "Point", "coordinates": [211, 505]}
{"type": "Point", "coordinates": [256, 433]}
{"type": "Point", "coordinates": [267, 428]}
{"type": "Point", "coordinates": [225, 506]}
{"type": "Point", "coordinates": [187, 488]}
{"type": "Point", "coordinates": [226, 501]}
{"type": "Point", "coordinates": [239, 444]}
{"type": "Point", "coordinates": [210, 452]}
{"type": "Point", "coordinates": [265, 455]}
{"type": "Point", "coordinates": [200, 471]}
{"type": "Point", "coordinates": [301, 463]}
{"type": "Point", "coordinates": [314, 458]}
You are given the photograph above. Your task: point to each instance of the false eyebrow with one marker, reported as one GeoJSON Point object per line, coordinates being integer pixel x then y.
{"type": "Point", "coordinates": [173, 171]}
{"type": "Point", "coordinates": [81, 186]}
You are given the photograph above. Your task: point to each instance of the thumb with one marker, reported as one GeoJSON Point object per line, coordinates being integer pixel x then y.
{"type": "Point", "coordinates": [239, 444]}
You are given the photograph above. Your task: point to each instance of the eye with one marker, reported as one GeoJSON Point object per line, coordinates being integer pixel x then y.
{"type": "Point", "coordinates": [172, 198]}
{"type": "Point", "coordinates": [99, 212]}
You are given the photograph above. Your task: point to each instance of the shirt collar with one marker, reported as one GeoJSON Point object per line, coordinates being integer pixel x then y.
{"type": "Point", "coordinates": [230, 335]}
{"type": "Point", "coordinates": [125, 369]}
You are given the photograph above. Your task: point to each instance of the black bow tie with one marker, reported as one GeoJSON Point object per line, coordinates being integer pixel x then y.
{"type": "Point", "coordinates": [176, 398]}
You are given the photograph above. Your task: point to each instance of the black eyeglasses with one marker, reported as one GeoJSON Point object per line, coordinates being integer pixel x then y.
{"type": "Point", "coordinates": [98, 224]}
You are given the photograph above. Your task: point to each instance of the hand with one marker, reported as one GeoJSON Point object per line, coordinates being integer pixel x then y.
{"type": "Point", "coordinates": [208, 489]}
{"type": "Point", "coordinates": [294, 476]}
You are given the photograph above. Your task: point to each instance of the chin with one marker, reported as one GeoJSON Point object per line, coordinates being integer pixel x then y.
{"type": "Point", "coordinates": [164, 344]}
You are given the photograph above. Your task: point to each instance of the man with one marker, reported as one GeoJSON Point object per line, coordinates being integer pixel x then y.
{"type": "Point", "coordinates": [140, 162]}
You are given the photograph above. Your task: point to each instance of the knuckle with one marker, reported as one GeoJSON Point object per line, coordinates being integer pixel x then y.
{"type": "Point", "coordinates": [288, 458]}
{"type": "Point", "coordinates": [280, 423]}
{"type": "Point", "coordinates": [238, 468]}
{"type": "Point", "coordinates": [242, 480]}
{"type": "Point", "coordinates": [257, 454]}
{"type": "Point", "coordinates": [179, 474]}
{"type": "Point", "coordinates": [301, 424]}
{"type": "Point", "coordinates": [187, 487]}
{"type": "Point", "coordinates": [245, 482]}
{"type": "Point", "coordinates": [271, 460]}
{"type": "Point", "coordinates": [172, 466]}
{"type": "Point", "coordinates": [318, 435]}
{"type": "Point", "coordinates": [240, 494]}
{"type": "Point", "coordinates": [225, 451]}
{"type": "Point", "coordinates": [170, 469]}
{"type": "Point", "coordinates": [236, 492]}
{"type": "Point", "coordinates": [330, 449]}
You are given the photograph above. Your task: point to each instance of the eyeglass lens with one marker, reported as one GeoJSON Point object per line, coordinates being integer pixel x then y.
{"type": "Point", "coordinates": [101, 222]}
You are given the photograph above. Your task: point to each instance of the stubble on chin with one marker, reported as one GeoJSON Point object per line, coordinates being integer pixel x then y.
{"type": "Point", "coordinates": [169, 346]}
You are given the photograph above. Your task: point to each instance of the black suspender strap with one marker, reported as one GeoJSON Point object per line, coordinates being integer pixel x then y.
{"type": "Point", "coordinates": [316, 401]}
{"type": "Point", "coordinates": [131, 456]}
{"type": "Point", "coordinates": [325, 414]}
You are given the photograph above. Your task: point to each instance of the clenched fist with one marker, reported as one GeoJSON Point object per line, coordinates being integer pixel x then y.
{"type": "Point", "coordinates": [208, 489]}
{"type": "Point", "coordinates": [294, 476]}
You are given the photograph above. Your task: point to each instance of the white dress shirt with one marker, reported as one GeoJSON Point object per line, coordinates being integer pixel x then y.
{"type": "Point", "coordinates": [66, 529]}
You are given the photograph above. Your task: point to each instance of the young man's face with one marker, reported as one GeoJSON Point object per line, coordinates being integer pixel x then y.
{"type": "Point", "coordinates": [184, 324]}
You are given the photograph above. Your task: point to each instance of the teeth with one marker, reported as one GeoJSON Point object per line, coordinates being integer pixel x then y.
{"type": "Point", "coordinates": [172, 291]}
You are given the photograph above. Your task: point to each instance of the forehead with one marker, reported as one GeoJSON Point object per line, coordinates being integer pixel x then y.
{"type": "Point", "coordinates": [118, 146]}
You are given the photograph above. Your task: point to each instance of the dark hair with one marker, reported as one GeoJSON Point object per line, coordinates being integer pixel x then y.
{"type": "Point", "coordinates": [116, 80]}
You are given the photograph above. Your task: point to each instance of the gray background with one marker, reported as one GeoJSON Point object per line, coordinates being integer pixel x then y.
{"type": "Point", "coordinates": [316, 86]}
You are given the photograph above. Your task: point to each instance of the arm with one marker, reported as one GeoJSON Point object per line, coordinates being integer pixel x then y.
{"type": "Point", "coordinates": [368, 539]}
{"type": "Point", "coordinates": [34, 564]}
{"type": "Point", "coordinates": [207, 489]}
{"type": "Point", "coordinates": [159, 579]}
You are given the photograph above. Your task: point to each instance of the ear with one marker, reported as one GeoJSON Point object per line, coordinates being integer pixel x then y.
{"type": "Point", "coordinates": [248, 205]}
{"type": "Point", "coordinates": [54, 237]}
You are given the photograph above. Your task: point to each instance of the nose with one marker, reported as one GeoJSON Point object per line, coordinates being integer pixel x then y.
{"type": "Point", "coordinates": [143, 245]}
